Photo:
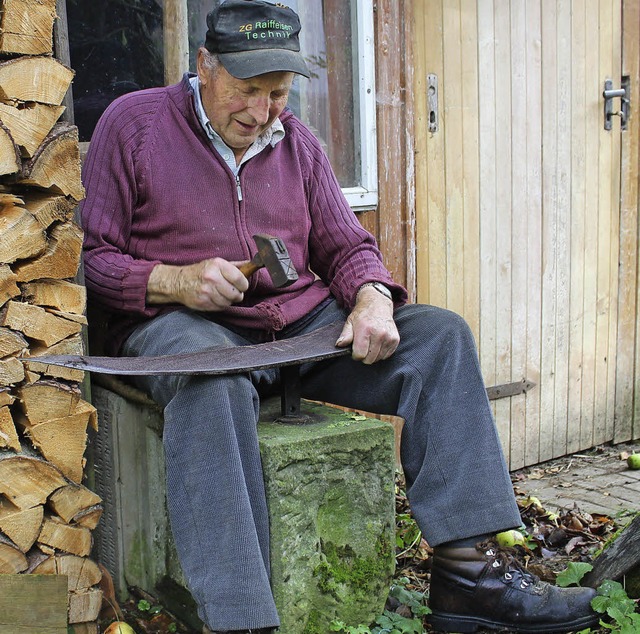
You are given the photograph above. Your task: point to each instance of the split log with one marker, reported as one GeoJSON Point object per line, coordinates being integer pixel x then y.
{"type": "Point", "coordinates": [88, 518]}
{"type": "Point", "coordinates": [75, 540]}
{"type": "Point", "coordinates": [22, 235]}
{"type": "Point", "coordinates": [60, 295]}
{"type": "Point", "coordinates": [10, 162]}
{"type": "Point", "coordinates": [28, 480]}
{"type": "Point", "coordinates": [45, 400]}
{"type": "Point", "coordinates": [41, 79]}
{"type": "Point", "coordinates": [81, 572]}
{"type": "Point", "coordinates": [29, 123]}
{"type": "Point", "coordinates": [70, 501]}
{"type": "Point", "coordinates": [71, 345]}
{"type": "Point", "coordinates": [55, 166]}
{"type": "Point", "coordinates": [12, 559]}
{"type": "Point", "coordinates": [6, 397]}
{"type": "Point", "coordinates": [63, 440]}
{"type": "Point", "coordinates": [48, 208]}
{"type": "Point", "coordinates": [8, 434]}
{"type": "Point", "coordinates": [27, 26]}
{"type": "Point", "coordinates": [85, 606]}
{"type": "Point", "coordinates": [60, 260]}
{"type": "Point", "coordinates": [36, 323]}
{"type": "Point", "coordinates": [12, 342]}
{"type": "Point", "coordinates": [21, 526]}
{"type": "Point", "coordinates": [8, 286]}
{"type": "Point", "coordinates": [11, 372]}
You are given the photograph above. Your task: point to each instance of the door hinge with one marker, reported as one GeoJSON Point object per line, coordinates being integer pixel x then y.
{"type": "Point", "coordinates": [610, 93]}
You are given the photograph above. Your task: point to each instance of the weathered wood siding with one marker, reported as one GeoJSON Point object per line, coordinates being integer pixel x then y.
{"type": "Point", "coordinates": [518, 203]}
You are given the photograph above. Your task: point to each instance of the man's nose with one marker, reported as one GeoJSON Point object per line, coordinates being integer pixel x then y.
{"type": "Point", "coordinates": [259, 109]}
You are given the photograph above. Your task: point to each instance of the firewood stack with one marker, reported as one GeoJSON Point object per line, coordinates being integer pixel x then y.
{"type": "Point", "coordinates": [46, 514]}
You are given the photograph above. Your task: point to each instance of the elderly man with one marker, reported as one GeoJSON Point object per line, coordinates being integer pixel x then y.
{"type": "Point", "coordinates": [178, 181]}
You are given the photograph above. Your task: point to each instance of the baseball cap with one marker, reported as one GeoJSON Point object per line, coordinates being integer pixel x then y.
{"type": "Point", "coordinates": [253, 37]}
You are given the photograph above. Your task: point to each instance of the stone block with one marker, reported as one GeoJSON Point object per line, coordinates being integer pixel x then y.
{"type": "Point", "coordinates": [330, 491]}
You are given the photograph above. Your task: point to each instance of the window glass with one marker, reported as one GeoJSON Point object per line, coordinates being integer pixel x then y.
{"type": "Point", "coordinates": [115, 48]}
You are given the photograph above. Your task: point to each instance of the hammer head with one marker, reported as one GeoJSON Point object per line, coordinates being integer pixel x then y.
{"type": "Point", "coordinates": [273, 255]}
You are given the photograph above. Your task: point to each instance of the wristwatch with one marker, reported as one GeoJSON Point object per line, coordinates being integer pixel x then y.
{"type": "Point", "coordinates": [380, 287]}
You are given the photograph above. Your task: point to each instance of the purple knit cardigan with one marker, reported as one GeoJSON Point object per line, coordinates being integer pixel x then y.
{"type": "Point", "coordinates": [157, 192]}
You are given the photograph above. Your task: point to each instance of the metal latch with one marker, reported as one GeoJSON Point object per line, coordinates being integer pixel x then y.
{"type": "Point", "coordinates": [610, 93]}
{"type": "Point", "coordinates": [432, 102]}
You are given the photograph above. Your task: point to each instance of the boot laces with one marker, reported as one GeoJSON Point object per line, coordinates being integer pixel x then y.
{"type": "Point", "coordinates": [510, 568]}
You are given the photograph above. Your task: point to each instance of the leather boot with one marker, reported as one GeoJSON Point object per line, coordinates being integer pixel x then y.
{"type": "Point", "coordinates": [486, 588]}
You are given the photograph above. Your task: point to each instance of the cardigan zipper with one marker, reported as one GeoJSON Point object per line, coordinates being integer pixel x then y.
{"type": "Point", "coordinates": [238, 188]}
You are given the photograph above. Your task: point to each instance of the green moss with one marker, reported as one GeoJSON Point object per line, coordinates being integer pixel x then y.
{"type": "Point", "coordinates": [314, 624]}
{"type": "Point", "coordinates": [348, 577]}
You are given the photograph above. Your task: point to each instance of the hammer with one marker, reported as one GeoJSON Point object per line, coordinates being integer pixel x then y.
{"type": "Point", "coordinates": [272, 255]}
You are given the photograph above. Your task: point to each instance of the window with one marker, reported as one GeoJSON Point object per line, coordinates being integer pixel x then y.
{"type": "Point", "coordinates": [117, 46]}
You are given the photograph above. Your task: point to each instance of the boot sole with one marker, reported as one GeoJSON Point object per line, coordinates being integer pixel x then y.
{"type": "Point", "coordinates": [444, 622]}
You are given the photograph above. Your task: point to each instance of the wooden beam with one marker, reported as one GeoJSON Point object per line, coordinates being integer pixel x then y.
{"type": "Point", "coordinates": [176, 40]}
{"type": "Point", "coordinates": [61, 52]}
{"type": "Point", "coordinates": [33, 604]}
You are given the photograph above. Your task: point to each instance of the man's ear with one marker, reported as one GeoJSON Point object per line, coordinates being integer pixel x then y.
{"type": "Point", "coordinates": [200, 67]}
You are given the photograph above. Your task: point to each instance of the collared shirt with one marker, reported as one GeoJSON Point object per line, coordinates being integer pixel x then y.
{"type": "Point", "coordinates": [271, 136]}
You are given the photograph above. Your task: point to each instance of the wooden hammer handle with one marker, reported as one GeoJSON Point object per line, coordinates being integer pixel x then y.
{"type": "Point", "coordinates": [249, 268]}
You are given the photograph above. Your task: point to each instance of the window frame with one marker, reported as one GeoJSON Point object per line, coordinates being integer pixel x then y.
{"type": "Point", "coordinates": [365, 196]}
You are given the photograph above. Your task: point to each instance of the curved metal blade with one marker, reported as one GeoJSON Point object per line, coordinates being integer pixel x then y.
{"type": "Point", "coordinates": [313, 346]}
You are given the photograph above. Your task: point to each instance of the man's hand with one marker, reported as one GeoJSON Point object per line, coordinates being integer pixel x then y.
{"type": "Point", "coordinates": [210, 285]}
{"type": "Point", "coordinates": [370, 328]}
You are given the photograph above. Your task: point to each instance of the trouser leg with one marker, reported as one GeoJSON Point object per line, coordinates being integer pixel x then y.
{"type": "Point", "coordinates": [458, 484]}
{"type": "Point", "coordinates": [215, 488]}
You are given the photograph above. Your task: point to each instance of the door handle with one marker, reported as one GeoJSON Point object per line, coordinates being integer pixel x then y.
{"type": "Point", "coordinates": [610, 93]}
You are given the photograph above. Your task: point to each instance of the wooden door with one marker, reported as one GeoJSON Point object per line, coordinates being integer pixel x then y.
{"type": "Point", "coordinates": [518, 203]}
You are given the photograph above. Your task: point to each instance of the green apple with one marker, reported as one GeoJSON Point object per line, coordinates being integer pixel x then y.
{"type": "Point", "coordinates": [511, 538]}
{"type": "Point", "coordinates": [119, 627]}
{"type": "Point", "coordinates": [634, 461]}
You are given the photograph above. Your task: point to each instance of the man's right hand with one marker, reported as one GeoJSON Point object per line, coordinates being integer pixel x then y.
{"type": "Point", "coordinates": [210, 285]}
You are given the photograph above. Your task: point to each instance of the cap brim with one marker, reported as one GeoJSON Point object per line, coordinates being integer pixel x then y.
{"type": "Point", "coordinates": [245, 64]}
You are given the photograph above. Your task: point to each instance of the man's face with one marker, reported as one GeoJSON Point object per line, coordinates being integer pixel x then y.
{"type": "Point", "coordinates": [240, 110]}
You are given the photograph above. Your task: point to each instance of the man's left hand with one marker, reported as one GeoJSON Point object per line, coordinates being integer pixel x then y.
{"type": "Point", "coordinates": [370, 328]}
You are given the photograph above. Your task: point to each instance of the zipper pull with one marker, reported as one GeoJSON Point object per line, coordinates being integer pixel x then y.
{"type": "Point", "coordinates": [238, 188]}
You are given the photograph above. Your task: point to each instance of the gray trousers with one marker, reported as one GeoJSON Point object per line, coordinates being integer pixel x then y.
{"type": "Point", "coordinates": [457, 482]}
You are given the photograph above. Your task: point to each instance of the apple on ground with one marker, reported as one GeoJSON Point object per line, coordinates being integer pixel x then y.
{"type": "Point", "coordinates": [634, 461]}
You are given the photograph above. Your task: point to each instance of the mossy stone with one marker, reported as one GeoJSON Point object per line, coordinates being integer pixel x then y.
{"type": "Point", "coordinates": [330, 490]}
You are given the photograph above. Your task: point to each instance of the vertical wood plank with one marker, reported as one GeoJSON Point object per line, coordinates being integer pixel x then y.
{"type": "Point", "coordinates": [394, 106]}
{"type": "Point", "coordinates": [534, 187]}
{"type": "Point", "coordinates": [608, 222]}
{"type": "Point", "coordinates": [503, 176]}
{"type": "Point", "coordinates": [454, 165]}
{"type": "Point", "coordinates": [470, 178]}
{"type": "Point", "coordinates": [487, 188]}
{"type": "Point", "coordinates": [589, 210]}
{"type": "Point", "coordinates": [614, 255]}
{"type": "Point", "coordinates": [550, 221]}
{"type": "Point", "coordinates": [175, 39]}
{"type": "Point", "coordinates": [431, 201]}
{"type": "Point", "coordinates": [577, 232]}
{"type": "Point", "coordinates": [563, 229]}
{"type": "Point", "coordinates": [626, 424]}
{"type": "Point", "coordinates": [421, 126]}
{"type": "Point", "coordinates": [521, 217]}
